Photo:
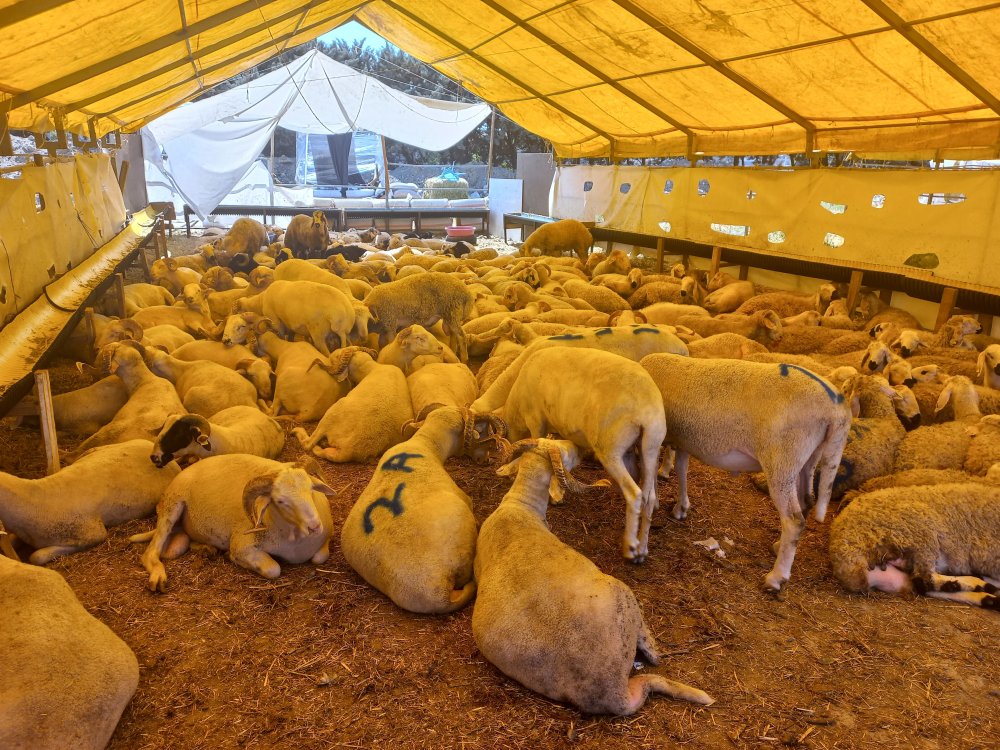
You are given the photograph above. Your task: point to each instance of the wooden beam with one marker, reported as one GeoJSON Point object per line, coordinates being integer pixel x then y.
{"type": "Point", "coordinates": [713, 267]}
{"type": "Point", "coordinates": [122, 176]}
{"type": "Point", "coordinates": [744, 272]}
{"type": "Point", "coordinates": [435, 32]}
{"type": "Point", "coordinates": [854, 290]}
{"type": "Point", "coordinates": [948, 299]}
{"type": "Point", "coordinates": [986, 321]}
{"type": "Point", "coordinates": [886, 296]}
{"type": "Point", "coordinates": [48, 420]}
{"type": "Point", "coordinates": [661, 247]}
{"type": "Point", "coordinates": [939, 58]}
{"type": "Point", "coordinates": [690, 47]}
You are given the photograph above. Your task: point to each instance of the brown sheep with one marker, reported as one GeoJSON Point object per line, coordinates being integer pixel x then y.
{"type": "Point", "coordinates": [559, 236]}
{"type": "Point", "coordinates": [308, 237]}
{"type": "Point", "coordinates": [246, 236]}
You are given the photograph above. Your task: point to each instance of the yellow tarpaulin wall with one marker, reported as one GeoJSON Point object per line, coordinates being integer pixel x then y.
{"type": "Point", "coordinates": [930, 224]}
{"type": "Point", "coordinates": [51, 219]}
{"type": "Point", "coordinates": [616, 78]}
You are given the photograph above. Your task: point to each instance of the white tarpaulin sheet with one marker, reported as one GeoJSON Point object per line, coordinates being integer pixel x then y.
{"type": "Point", "coordinates": [205, 147]}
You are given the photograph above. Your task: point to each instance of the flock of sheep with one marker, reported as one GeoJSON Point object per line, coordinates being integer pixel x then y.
{"type": "Point", "coordinates": [370, 335]}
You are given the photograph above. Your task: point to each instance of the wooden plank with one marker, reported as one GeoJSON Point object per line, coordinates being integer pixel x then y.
{"type": "Point", "coordinates": [122, 176]}
{"type": "Point", "coordinates": [48, 420]}
{"type": "Point", "coordinates": [986, 321]}
{"type": "Point", "coordinates": [713, 267]}
{"type": "Point", "coordinates": [744, 272]}
{"type": "Point", "coordinates": [118, 294]}
{"type": "Point", "coordinates": [661, 247]}
{"type": "Point", "coordinates": [886, 296]}
{"type": "Point", "coordinates": [948, 298]}
{"type": "Point", "coordinates": [854, 290]}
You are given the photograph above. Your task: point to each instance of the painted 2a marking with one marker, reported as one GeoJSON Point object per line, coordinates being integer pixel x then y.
{"type": "Point", "coordinates": [394, 506]}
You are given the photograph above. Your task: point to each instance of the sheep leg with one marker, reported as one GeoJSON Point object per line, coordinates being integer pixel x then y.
{"type": "Point", "coordinates": [322, 554]}
{"type": "Point", "coordinates": [305, 440]}
{"type": "Point", "coordinates": [973, 598]}
{"type": "Point", "coordinates": [649, 448]}
{"type": "Point", "coordinates": [167, 517]}
{"type": "Point", "coordinates": [640, 687]}
{"type": "Point", "coordinates": [318, 336]}
{"type": "Point", "coordinates": [683, 503]}
{"type": "Point", "coordinates": [87, 535]}
{"type": "Point", "coordinates": [784, 495]}
{"type": "Point", "coordinates": [631, 547]}
{"type": "Point", "coordinates": [936, 582]}
{"type": "Point", "coordinates": [246, 555]}
{"type": "Point", "coordinates": [667, 465]}
{"type": "Point", "coordinates": [647, 645]}
{"type": "Point", "coordinates": [179, 544]}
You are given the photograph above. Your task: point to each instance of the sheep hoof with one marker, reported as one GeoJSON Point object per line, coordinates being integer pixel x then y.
{"type": "Point", "coordinates": [679, 511]}
{"type": "Point", "coordinates": [773, 583]}
{"type": "Point", "coordinates": [157, 582]}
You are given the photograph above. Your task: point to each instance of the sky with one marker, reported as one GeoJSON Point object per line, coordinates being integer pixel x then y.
{"type": "Point", "coordinates": [351, 31]}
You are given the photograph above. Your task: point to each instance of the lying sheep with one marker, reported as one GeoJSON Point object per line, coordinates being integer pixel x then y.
{"type": "Point", "coordinates": [729, 297]}
{"type": "Point", "coordinates": [300, 389]}
{"type": "Point", "coordinates": [943, 446]}
{"type": "Point", "coordinates": [423, 299]}
{"type": "Point", "coordinates": [951, 334]}
{"type": "Point", "coordinates": [368, 420]}
{"type": "Point", "coordinates": [411, 533]}
{"type": "Point", "coordinates": [151, 399]}
{"type": "Point", "coordinates": [545, 615]}
{"type": "Point", "coordinates": [763, 327]}
{"type": "Point", "coordinates": [413, 341]}
{"type": "Point", "coordinates": [301, 270]}
{"type": "Point", "coordinates": [66, 676]}
{"type": "Point", "coordinates": [168, 273]}
{"type": "Point", "coordinates": [668, 313]}
{"type": "Point", "coordinates": [988, 366]}
{"type": "Point", "coordinates": [616, 262]}
{"type": "Point", "coordinates": [939, 540]}
{"type": "Point", "coordinates": [194, 316]}
{"type": "Point", "coordinates": [605, 404]}
{"type": "Point", "coordinates": [138, 296]}
{"type": "Point", "coordinates": [748, 416]}
{"type": "Point", "coordinates": [631, 342]}
{"type": "Point", "coordinates": [204, 387]}
{"type": "Point", "coordinates": [71, 510]}
{"type": "Point", "coordinates": [598, 297]}
{"type": "Point", "coordinates": [308, 236]}
{"type": "Point", "coordinates": [238, 429]}
{"type": "Point", "coordinates": [558, 237]}
{"type": "Point", "coordinates": [307, 308]}
{"type": "Point", "coordinates": [248, 506]}
{"type": "Point", "coordinates": [165, 337]}
{"type": "Point", "coordinates": [662, 292]}
{"type": "Point", "coordinates": [236, 357]}
{"type": "Point", "coordinates": [495, 366]}
{"type": "Point", "coordinates": [245, 236]}
{"type": "Point", "coordinates": [787, 304]}
{"type": "Point", "coordinates": [221, 303]}
{"type": "Point", "coordinates": [725, 346]}
{"type": "Point", "coordinates": [84, 411]}
{"type": "Point", "coordinates": [434, 384]}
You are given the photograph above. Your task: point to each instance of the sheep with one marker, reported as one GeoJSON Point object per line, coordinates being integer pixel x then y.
{"type": "Point", "coordinates": [165, 337]}
{"type": "Point", "coordinates": [84, 411]}
{"type": "Point", "coordinates": [308, 236]}
{"type": "Point", "coordinates": [495, 366]}
{"type": "Point", "coordinates": [138, 296]}
{"type": "Point", "coordinates": [725, 346]}
{"type": "Point", "coordinates": [631, 342]}
{"type": "Point", "coordinates": [248, 506]}
{"type": "Point", "coordinates": [786, 304]}
{"type": "Point", "coordinates": [221, 303]}
{"type": "Point", "coordinates": [434, 384]}
{"type": "Point", "coordinates": [413, 341]}
{"type": "Point", "coordinates": [245, 236]}
{"type": "Point", "coordinates": [66, 676]}
{"type": "Point", "coordinates": [764, 327]}
{"type": "Point", "coordinates": [194, 317]}
{"type": "Point", "coordinates": [984, 446]}
{"type": "Point", "coordinates": [807, 318]}
{"type": "Point", "coordinates": [423, 299]}
{"type": "Point", "coordinates": [306, 308]}
{"type": "Point", "coordinates": [368, 420]}
{"type": "Point", "coordinates": [558, 237]}
{"type": "Point", "coordinates": [517, 295]}
{"type": "Point", "coordinates": [300, 389]}
{"type": "Point", "coordinates": [942, 446]}
{"type": "Point", "coordinates": [660, 292]}
{"type": "Point", "coordinates": [221, 279]}
{"type": "Point", "coordinates": [204, 387]}
{"type": "Point", "coordinates": [301, 270]}
{"type": "Point", "coordinates": [151, 399]}
{"type": "Point", "coordinates": [988, 366]}
{"type": "Point", "coordinates": [749, 416]}
{"type": "Point", "coordinates": [729, 297]}
{"type": "Point", "coordinates": [545, 615]}
{"type": "Point", "coordinates": [939, 540]}
{"type": "Point", "coordinates": [237, 357]}
{"type": "Point", "coordinates": [71, 510]}
{"type": "Point", "coordinates": [172, 276]}
{"type": "Point", "coordinates": [411, 533]}
{"type": "Point", "coordinates": [668, 313]}
{"type": "Point", "coordinates": [617, 262]}
{"type": "Point", "coordinates": [238, 429]}
{"type": "Point", "coordinates": [951, 335]}
{"type": "Point", "coordinates": [599, 297]}
{"type": "Point", "coordinates": [605, 404]}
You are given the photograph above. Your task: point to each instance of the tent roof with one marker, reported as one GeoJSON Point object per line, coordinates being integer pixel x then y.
{"type": "Point", "coordinates": [613, 78]}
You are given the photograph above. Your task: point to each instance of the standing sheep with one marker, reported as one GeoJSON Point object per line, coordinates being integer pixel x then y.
{"type": "Point", "coordinates": [246, 236]}
{"type": "Point", "coordinates": [558, 237]}
{"type": "Point", "coordinates": [308, 236]}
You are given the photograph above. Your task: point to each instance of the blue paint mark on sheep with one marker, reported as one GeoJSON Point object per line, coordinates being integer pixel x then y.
{"type": "Point", "coordinates": [566, 337]}
{"type": "Point", "coordinates": [398, 462]}
{"type": "Point", "coordinates": [603, 331]}
{"type": "Point", "coordinates": [645, 330]}
{"type": "Point", "coordinates": [394, 506]}
{"type": "Point", "coordinates": [844, 473]}
{"type": "Point", "coordinates": [837, 398]}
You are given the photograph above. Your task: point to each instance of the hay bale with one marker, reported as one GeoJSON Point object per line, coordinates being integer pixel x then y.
{"type": "Point", "coordinates": [442, 187]}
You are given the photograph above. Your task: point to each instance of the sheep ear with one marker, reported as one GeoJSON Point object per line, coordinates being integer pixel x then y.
{"type": "Point", "coordinates": [204, 441]}
{"type": "Point", "coordinates": [171, 264]}
{"type": "Point", "coordinates": [864, 359]}
{"type": "Point", "coordinates": [544, 306]}
{"type": "Point", "coordinates": [133, 330]}
{"type": "Point", "coordinates": [943, 399]}
{"type": "Point", "coordinates": [980, 363]}
{"type": "Point", "coordinates": [556, 491]}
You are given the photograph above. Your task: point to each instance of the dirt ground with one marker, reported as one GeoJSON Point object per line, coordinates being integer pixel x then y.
{"type": "Point", "coordinates": [318, 659]}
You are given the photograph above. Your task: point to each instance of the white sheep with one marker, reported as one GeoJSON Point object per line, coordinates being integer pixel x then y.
{"type": "Point", "coordinates": [943, 446]}
{"type": "Point", "coordinates": [86, 410]}
{"type": "Point", "coordinates": [631, 342]}
{"type": "Point", "coordinates": [368, 420]}
{"type": "Point", "coordinates": [988, 366]}
{"type": "Point", "coordinates": [605, 404]}
{"type": "Point", "coordinates": [235, 357]}
{"type": "Point", "coordinates": [749, 416]}
{"type": "Point", "coordinates": [764, 327]}
{"type": "Point", "coordinates": [71, 510]}
{"type": "Point", "coordinates": [302, 270]}
{"type": "Point", "coordinates": [545, 615]}
{"type": "Point", "coordinates": [939, 540]}
{"type": "Point", "coordinates": [725, 346]}
{"type": "Point", "coordinates": [668, 313]}
{"type": "Point", "coordinates": [171, 275]}
{"type": "Point", "coordinates": [787, 304]}
{"type": "Point", "coordinates": [411, 533]}
{"type": "Point", "coordinates": [413, 341]}
{"type": "Point", "coordinates": [204, 387]}
{"type": "Point", "coordinates": [192, 317]}
{"type": "Point", "coordinates": [729, 297]}
{"type": "Point", "coordinates": [253, 508]}
{"type": "Point", "coordinates": [165, 337]}
{"type": "Point", "coordinates": [138, 296]}
{"type": "Point", "coordinates": [238, 429]}
{"type": "Point", "coordinates": [65, 676]}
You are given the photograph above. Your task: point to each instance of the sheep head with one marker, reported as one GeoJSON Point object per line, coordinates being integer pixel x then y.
{"type": "Point", "coordinates": [218, 278]}
{"type": "Point", "coordinates": [120, 354]}
{"type": "Point", "coordinates": [988, 361]}
{"type": "Point", "coordinates": [562, 457]}
{"type": "Point", "coordinates": [339, 364]}
{"type": "Point", "coordinates": [181, 435]}
{"type": "Point", "coordinates": [876, 357]}
{"type": "Point", "coordinates": [289, 492]}
{"type": "Point", "coordinates": [415, 340]}
{"type": "Point", "coordinates": [195, 298]}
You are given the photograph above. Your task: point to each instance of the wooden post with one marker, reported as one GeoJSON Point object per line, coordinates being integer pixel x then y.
{"type": "Point", "coordinates": [161, 239]}
{"type": "Point", "coordinates": [854, 290]}
{"type": "Point", "coordinates": [122, 176]}
{"type": "Point", "coordinates": [47, 419]}
{"type": "Point", "coordinates": [661, 246]}
{"type": "Point", "coordinates": [716, 259]}
{"type": "Point", "coordinates": [948, 298]}
{"type": "Point", "coordinates": [986, 321]}
{"type": "Point", "coordinates": [144, 262]}
{"type": "Point", "coordinates": [489, 157]}
{"type": "Point", "coordinates": [118, 293]}
{"type": "Point", "coordinates": [744, 272]}
{"type": "Point", "coordinates": [886, 296]}
{"type": "Point", "coordinates": [270, 177]}
{"type": "Point", "coordinates": [385, 168]}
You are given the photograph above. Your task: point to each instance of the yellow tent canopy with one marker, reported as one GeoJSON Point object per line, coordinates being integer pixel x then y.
{"type": "Point", "coordinates": [618, 78]}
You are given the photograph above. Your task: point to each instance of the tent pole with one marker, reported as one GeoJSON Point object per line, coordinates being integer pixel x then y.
{"type": "Point", "coordinates": [489, 158]}
{"type": "Point", "coordinates": [270, 171]}
{"type": "Point", "coordinates": [385, 171]}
